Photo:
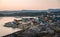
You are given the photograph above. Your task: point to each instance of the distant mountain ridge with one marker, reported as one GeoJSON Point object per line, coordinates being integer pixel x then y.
{"type": "Point", "coordinates": [19, 11]}
{"type": "Point", "coordinates": [28, 12]}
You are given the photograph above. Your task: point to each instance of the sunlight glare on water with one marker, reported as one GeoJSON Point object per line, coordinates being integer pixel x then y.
{"type": "Point", "coordinates": [5, 30]}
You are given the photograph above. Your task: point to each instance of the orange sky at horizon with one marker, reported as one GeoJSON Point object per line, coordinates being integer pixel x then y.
{"type": "Point", "coordinates": [28, 4]}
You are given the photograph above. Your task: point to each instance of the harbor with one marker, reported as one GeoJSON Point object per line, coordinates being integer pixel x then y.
{"type": "Point", "coordinates": [43, 26]}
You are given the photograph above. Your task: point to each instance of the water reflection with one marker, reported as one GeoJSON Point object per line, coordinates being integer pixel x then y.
{"type": "Point", "coordinates": [5, 30]}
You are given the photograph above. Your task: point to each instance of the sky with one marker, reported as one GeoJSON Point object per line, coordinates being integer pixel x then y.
{"type": "Point", "coordinates": [29, 4]}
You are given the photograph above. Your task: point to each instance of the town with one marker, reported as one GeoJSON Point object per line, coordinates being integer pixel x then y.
{"type": "Point", "coordinates": [45, 25]}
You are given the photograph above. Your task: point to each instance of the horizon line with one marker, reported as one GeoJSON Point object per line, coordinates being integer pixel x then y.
{"type": "Point", "coordinates": [28, 9]}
